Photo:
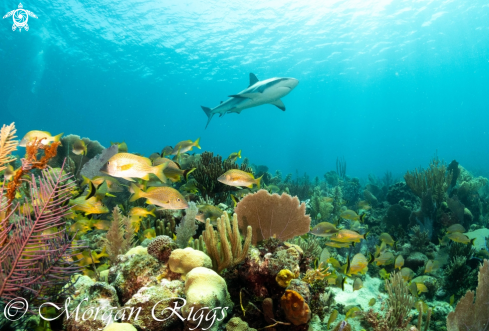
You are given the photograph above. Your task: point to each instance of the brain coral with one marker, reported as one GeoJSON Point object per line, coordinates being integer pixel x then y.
{"type": "Point", "coordinates": [161, 248]}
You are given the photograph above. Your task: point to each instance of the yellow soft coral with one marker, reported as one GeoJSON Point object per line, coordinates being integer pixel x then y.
{"type": "Point", "coordinates": [284, 277]}
{"type": "Point", "coordinates": [296, 309]}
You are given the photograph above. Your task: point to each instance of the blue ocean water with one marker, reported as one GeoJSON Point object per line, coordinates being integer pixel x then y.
{"type": "Point", "coordinates": [384, 84]}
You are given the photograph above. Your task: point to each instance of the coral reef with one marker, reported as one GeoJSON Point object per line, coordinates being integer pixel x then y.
{"type": "Point", "coordinates": [161, 248]}
{"type": "Point", "coordinates": [182, 261]}
{"type": "Point", "coordinates": [295, 307]}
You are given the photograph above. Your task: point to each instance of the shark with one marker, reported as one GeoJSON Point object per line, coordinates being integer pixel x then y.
{"type": "Point", "coordinates": [259, 92]}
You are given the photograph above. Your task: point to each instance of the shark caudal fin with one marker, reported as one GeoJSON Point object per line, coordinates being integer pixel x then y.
{"type": "Point", "coordinates": [209, 114]}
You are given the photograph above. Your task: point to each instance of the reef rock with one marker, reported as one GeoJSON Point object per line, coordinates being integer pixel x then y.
{"type": "Point", "coordinates": [161, 247]}
{"type": "Point", "coordinates": [89, 298]}
{"type": "Point", "coordinates": [398, 192]}
{"type": "Point", "coordinates": [207, 296]}
{"type": "Point", "coordinates": [167, 294]}
{"type": "Point", "coordinates": [134, 272]}
{"type": "Point", "coordinates": [236, 324]}
{"type": "Point", "coordinates": [415, 260]}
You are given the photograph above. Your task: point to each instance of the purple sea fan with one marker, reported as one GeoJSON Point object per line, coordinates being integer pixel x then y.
{"type": "Point", "coordinates": [36, 252]}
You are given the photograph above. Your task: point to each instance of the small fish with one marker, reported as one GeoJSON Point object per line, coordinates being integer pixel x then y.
{"type": "Point", "coordinates": [9, 172]}
{"type": "Point", "coordinates": [237, 178]}
{"type": "Point", "coordinates": [334, 262]}
{"type": "Point", "coordinates": [185, 146]}
{"type": "Point", "coordinates": [364, 205]}
{"type": "Point", "coordinates": [100, 224]}
{"type": "Point", "coordinates": [421, 307]}
{"type": "Point", "coordinates": [44, 136]}
{"type": "Point", "coordinates": [324, 229]}
{"type": "Point", "coordinates": [90, 206]}
{"type": "Point", "coordinates": [432, 266]}
{"type": "Point", "coordinates": [347, 236]}
{"type": "Point", "coordinates": [141, 212]}
{"type": "Point", "coordinates": [273, 188]}
{"type": "Point", "coordinates": [81, 226]}
{"type": "Point", "coordinates": [332, 318]}
{"type": "Point", "coordinates": [385, 259]}
{"type": "Point", "coordinates": [399, 262]}
{"type": "Point", "coordinates": [166, 151]}
{"type": "Point", "coordinates": [99, 192]}
{"type": "Point", "coordinates": [413, 289]}
{"type": "Point", "coordinates": [352, 216]}
{"type": "Point", "coordinates": [208, 211]}
{"type": "Point", "coordinates": [190, 186]}
{"type": "Point", "coordinates": [372, 302]}
{"type": "Point", "coordinates": [173, 170]}
{"type": "Point", "coordinates": [337, 244]}
{"type": "Point", "coordinates": [128, 166]}
{"type": "Point", "coordinates": [79, 147]}
{"type": "Point", "coordinates": [357, 284]}
{"type": "Point", "coordinates": [452, 300]}
{"type": "Point", "coordinates": [421, 288]}
{"type": "Point", "coordinates": [353, 312]}
{"type": "Point", "coordinates": [325, 255]}
{"type": "Point", "coordinates": [121, 147]}
{"type": "Point", "coordinates": [444, 241]}
{"type": "Point", "coordinates": [234, 156]}
{"type": "Point", "coordinates": [165, 197]}
{"type": "Point", "coordinates": [456, 228]}
{"type": "Point", "coordinates": [384, 274]}
{"type": "Point", "coordinates": [358, 264]}
{"type": "Point", "coordinates": [460, 238]}
{"type": "Point", "coordinates": [149, 233]}
{"type": "Point", "coordinates": [385, 237]}
{"type": "Point", "coordinates": [340, 282]}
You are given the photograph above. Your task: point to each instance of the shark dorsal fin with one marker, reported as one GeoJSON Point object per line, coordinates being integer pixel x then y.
{"type": "Point", "coordinates": [253, 79]}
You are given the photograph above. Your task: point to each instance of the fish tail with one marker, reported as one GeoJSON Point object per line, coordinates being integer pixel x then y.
{"type": "Point", "coordinates": [58, 137]}
{"type": "Point", "coordinates": [472, 241]}
{"type": "Point", "coordinates": [370, 258]}
{"type": "Point", "coordinates": [158, 171]}
{"type": "Point", "coordinates": [257, 181]}
{"type": "Point", "coordinates": [138, 193]}
{"type": "Point", "coordinates": [85, 181]}
{"type": "Point", "coordinates": [362, 217]}
{"type": "Point", "coordinates": [343, 284]}
{"type": "Point", "coordinates": [91, 190]}
{"type": "Point", "coordinates": [188, 172]}
{"type": "Point", "coordinates": [152, 212]}
{"type": "Point", "coordinates": [196, 143]}
{"type": "Point", "coordinates": [239, 154]}
{"type": "Point", "coordinates": [209, 114]}
{"type": "Point", "coordinates": [365, 235]}
{"type": "Point", "coordinates": [234, 200]}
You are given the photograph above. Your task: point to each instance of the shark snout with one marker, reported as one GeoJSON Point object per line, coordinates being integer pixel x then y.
{"type": "Point", "coordinates": [291, 83]}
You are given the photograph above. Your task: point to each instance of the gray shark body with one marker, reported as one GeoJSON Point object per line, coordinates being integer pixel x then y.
{"type": "Point", "coordinates": [258, 93]}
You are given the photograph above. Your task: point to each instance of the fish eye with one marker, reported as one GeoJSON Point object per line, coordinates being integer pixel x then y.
{"type": "Point", "coordinates": [178, 199]}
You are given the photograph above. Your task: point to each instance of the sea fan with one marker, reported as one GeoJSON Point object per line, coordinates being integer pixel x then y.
{"type": "Point", "coordinates": [7, 144]}
{"type": "Point", "coordinates": [35, 248]}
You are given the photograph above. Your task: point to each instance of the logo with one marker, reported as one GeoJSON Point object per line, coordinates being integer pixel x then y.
{"type": "Point", "coordinates": [20, 17]}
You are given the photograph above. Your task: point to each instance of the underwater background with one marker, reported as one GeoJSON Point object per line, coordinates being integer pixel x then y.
{"type": "Point", "coordinates": [384, 84]}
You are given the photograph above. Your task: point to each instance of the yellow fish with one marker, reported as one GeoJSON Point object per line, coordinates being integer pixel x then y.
{"type": "Point", "coordinates": [353, 312]}
{"type": "Point", "coordinates": [460, 238]}
{"type": "Point", "coordinates": [332, 318]}
{"type": "Point", "coordinates": [384, 274]}
{"type": "Point", "coordinates": [364, 205]}
{"type": "Point", "coordinates": [372, 302]}
{"type": "Point", "coordinates": [149, 233]}
{"type": "Point", "coordinates": [166, 151]}
{"type": "Point", "coordinates": [357, 284]}
{"type": "Point", "coordinates": [348, 236]}
{"type": "Point", "coordinates": [407, 274]}
{"type": "Point", "coordinates": [208, 211]}
{"type": "Point", "coordinates": [385, 237]}
{"type": "Point", "coordinates": [432, 266]}
{"type": "Point", "coordinates": [352, 216]}
{"type": "Point", "coordinates": [237, 178]}
{"type": "Point", "coordinates": [385, 259]}
{"type": "Point", "coordinates": [421, 288]}
{"type": "Point", "coordinates": [44, 136]}
{"type": "Point", "coordinates": [456, 228]}
{"type": "Point", "coordinates": [337, 244]}
{"type": "Point", "coordinates": [399, 262]}
{"type": "Point", "coordinates": [90, 206]}
{"type": "Point", "coordinates": [166, 197]}
{"type": "Point", "coordinates": [100, 224]}
{"type": "Point", "coordinates": [324, 229]}
{"type": "Point", "coordinates": [142, 212]}
{"type": "Point", "coordinates": [185, 146]}
{"type": "Point", "coordinates": [234, 156]}
{"type": "Point", "coordinates": [358, 264]}
{"type": "Point", "coordinates": [128, 166]}
{"type": "Point", "coordinates": [79, 147]}
{"type": "Point", "coordinates": [173, 170]}
{"type": "Point", "coordinates": [190, 186]}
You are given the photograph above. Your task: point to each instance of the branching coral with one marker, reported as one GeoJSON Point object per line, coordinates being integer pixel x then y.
{"type": "Point", "coordinates": [7, 144]}
{"type": "Point", "coordinates": [272, 215]}
{"type": "Point", "coordinates": [36, 257]}
{"type": "Point", "coordinates": [226, 252]}
{"type": "Point", "coordinates": [470, 315]}
{"type": "Point", "coordinates": [436, 178]}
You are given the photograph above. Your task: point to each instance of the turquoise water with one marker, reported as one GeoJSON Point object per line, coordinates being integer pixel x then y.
{"type": "Point", "coordinates": [386, 84]}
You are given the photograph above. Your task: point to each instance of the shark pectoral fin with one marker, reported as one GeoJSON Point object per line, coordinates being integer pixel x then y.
{"type": "Point", "coordinates": [279, 104]}
{"type": "Point", "coordinates": [253, 79]}
{"type": "Point", "coordinates": [245, 95]}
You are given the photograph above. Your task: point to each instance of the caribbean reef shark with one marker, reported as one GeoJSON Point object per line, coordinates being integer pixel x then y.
{"type": "Point", "coordinates": [258, 93]}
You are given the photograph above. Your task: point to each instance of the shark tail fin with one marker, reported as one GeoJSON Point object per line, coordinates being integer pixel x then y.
{"type": "Point", "coordinates": [209, 114]}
